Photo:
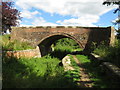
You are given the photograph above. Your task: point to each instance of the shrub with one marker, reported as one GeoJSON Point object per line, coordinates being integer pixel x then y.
{"type": "Point", "coordinates": [110, 53]}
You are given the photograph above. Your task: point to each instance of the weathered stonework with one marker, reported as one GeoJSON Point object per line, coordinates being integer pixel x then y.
{"type": "Point", "coordinates": [110, 70]}
{"type": "Point", "coordinates": [44, 37]}
{"type": "Point", "coordinates": [23, 53]}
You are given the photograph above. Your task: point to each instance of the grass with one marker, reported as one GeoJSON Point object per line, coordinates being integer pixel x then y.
{"type": "Point", "coordinates": [66, 44]}
{"type": "Point", "coordinates": [74, 64]}
{"type": "Point", "coordinates": [33, 73]}
{"type": "Point", "coordinates": [73, 75]}
{"type": "Point", "coordinates": [100, 80]}
{"type": "Point", "coordinates": [8, 44]}
{"type": "Point", "coordinates": [42, 72]}
{"type": "Point", "coordinates": [111, 53]}
{"type": "Point", "coordinates": [45, 72]}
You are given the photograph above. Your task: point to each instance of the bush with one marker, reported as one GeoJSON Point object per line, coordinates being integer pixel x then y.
{"type": "Point", "coordinates": [110, 53]}
{"type": "Point", "coordinates": [102, 50]}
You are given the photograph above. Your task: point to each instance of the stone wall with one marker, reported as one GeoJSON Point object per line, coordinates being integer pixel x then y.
{"type": "Point", "coordinates": [23, 53]}
{"type": "Point", "coordinates": [110, 70]}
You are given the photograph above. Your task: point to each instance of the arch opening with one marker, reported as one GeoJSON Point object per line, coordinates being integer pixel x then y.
{"type": "Point", "coordinates": [46, 45]}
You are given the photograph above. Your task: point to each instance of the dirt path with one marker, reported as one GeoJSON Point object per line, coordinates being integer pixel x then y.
{"type": "Point", "coordinates": [85, 81]}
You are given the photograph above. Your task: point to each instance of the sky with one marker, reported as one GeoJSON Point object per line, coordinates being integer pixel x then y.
{"type": "Point", "coordinates": [86, 13]}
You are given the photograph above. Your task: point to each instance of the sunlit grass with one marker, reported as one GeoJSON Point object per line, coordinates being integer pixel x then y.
{"type": "Point", "coordinates": [45, 72]}
{"type": "Point", "coordinates": [66, 44]}
{"type": "Point", "coordinates": [42, 72]}
{"type": "Point", "coordinates": [8, 44]}
{"type": "Point", "coordinates": [94, 72]}
{"type": "Point", "coordinates": [31, 72]}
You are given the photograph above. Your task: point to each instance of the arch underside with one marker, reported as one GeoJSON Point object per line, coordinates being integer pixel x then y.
{"type": "Point", "coordinates": [45, 44]}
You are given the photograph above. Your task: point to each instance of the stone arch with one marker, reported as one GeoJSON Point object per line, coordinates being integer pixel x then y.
{"type": "Point", "coordinates": [45, 43]}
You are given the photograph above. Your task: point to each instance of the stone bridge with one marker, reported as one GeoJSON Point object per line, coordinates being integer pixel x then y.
{"type": "Point", "coordinates": [45, 36]}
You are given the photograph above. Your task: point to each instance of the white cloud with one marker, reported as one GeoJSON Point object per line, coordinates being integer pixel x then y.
{"type": "Point", "coordinates": [87, 11]}
{"type": "Point", "coordinates": [24, 25]}
{"type": "Point", "coordinates": [86, 20]}
{"type": "Point", "coordinates": [66, 7]}
{"type": "Point", "coordinates": [39, 21]}
{"type": "Point", "coordinates": [28, 14]}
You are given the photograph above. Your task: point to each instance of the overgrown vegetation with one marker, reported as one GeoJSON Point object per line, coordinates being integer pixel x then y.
{"type": "Point", "coordinates": [42, 72]}
{"type": "Point", "coordinates": [46, 72]}
{"type": "Point", "coordinates": [96, 76]}
{"type": "Point", "coordinates": [7, 44]}
{"type": "Point", "coordinates": [66, 44]}
{"type": "Point", "coordinates": [110, 53]}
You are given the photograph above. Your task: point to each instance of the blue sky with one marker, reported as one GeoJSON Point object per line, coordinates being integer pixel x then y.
{"type": "Point", "coordinates": [65, 12]}
{"type": "Point", "coordinates": [107, 18]}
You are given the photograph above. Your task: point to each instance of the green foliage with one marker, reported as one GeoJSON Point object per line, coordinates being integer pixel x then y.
{"type": "Point", "coordinates": [95, 74]}
{"type": "Point", "coordinates": [7, 44]}
{"type": "Point", "coordinates": [74, 64]}
{"type": "Point", "coordinates": [83, 59]}
{"type": "Point", "coordinates": [111, 53]}
{"type": "Point", "coordinates": [102, 50]}
{"type": "Point", "coordinates": [60, 53]}
{"type": "Point", "coordinates": [66, 44]}
{"type": "Point", "coordinates": [72, 76]}
{"type": "Point", "coordinates": [26, 73]}
{"type": "Point", "coordinates": [45, 72]}
{"type": "Point", "coordinates": [42, 72]}
{"type": "Point", "coordinates": [66, 41]}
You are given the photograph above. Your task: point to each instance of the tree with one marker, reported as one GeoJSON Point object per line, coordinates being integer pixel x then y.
{"type": "Point", "coordinates": [115, 2]}
{"type": "Point", "coordinates": [10, 16]}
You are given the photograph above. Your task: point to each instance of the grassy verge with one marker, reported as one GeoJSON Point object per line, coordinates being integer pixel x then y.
{"type": "Point", "coordinates": [7, 44]}
{"type": "Point", "coordinates": [100, 80]}
{"type": "Point", "coordinates": [42, 72]}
